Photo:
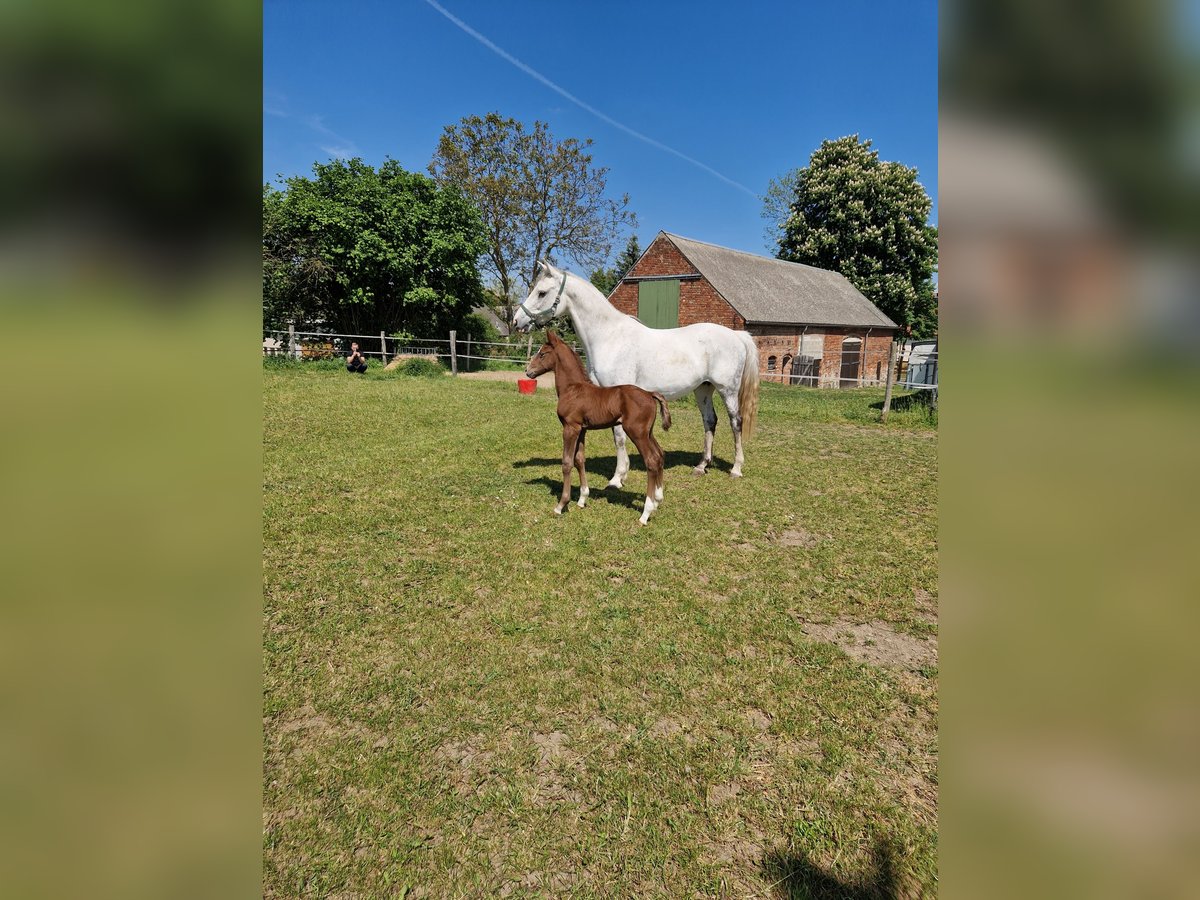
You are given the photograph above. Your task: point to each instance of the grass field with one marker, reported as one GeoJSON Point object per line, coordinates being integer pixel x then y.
{"type": "Point", "coordinates": [466, 696]}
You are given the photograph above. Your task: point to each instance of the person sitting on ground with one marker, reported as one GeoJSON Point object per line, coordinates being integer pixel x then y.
{"type": "Point", "coordinates": [356, 362]}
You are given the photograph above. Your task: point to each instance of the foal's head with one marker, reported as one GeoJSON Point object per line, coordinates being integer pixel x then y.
{"type": "Point", "coordinates": [545, 359]}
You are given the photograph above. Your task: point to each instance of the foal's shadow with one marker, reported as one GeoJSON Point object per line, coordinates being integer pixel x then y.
{"type": "Point", "coordinates": [619, 496]}
{"type": "Point", "coordinates": [675, 462]}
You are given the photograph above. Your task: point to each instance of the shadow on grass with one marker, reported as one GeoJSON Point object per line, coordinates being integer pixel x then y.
{"type": "Point", "coordinates": [915, 400]}
{"type": "Point", "coordinates": [606, 465]}
{"type": "Point", "coordinates": [793, 876]}
{"type": "Point", "coordinates": [616, 496]}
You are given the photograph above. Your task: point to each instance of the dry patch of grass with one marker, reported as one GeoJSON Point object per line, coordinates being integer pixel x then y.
{"type": "Point", "coordinates": [876, 643]}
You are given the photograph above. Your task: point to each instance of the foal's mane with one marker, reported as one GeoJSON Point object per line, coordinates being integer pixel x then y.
{"type": "Point", "coordinates": [568, 361]}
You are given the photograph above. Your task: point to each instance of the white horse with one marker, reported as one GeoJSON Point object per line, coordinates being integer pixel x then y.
{"type": "Point", "coordinates": [700, 358]}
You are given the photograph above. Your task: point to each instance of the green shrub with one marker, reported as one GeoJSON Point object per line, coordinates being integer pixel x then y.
{"type": "Point", "coordinates": [422, 368]}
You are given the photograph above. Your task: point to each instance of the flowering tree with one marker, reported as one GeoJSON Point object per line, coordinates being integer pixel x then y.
{"type": "Point", "coordinates": [851, 213]}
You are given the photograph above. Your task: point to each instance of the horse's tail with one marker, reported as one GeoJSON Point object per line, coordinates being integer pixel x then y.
{"type": "Point", "coordinates": [662, 408]}
{"type": "Point", "coordinates": [748, 392]}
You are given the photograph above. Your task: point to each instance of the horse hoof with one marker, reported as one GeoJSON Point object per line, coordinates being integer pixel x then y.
{"type": "Point", "coordinates": [735, 474]}
{"type": "Point", "coordinates": [582, 503]}
{"type": "Point", "coordinates": [641, 521]}
{"type": "Point", "coordinates": [614, 484]}
{"type": "Point", "coordinates": [700, 470]}
{"type": "Point", "coordinates": [557, 511]}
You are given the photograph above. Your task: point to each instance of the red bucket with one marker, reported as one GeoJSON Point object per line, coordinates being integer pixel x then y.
{"type": "Point", "coordinates": [526, 385]}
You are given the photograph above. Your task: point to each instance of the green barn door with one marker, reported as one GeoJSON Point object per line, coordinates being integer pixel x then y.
{"type": "Point", "coordinates": [658, 303]}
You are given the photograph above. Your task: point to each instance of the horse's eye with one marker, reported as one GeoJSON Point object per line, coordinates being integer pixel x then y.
{"type": "Point", "coordinates": [541, 293]}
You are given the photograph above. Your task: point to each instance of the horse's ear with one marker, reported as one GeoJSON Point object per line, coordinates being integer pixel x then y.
{"type": "Point", "coordinates": [545, 267]}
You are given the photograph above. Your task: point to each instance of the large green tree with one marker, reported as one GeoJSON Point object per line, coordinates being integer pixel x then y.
{"type": "Point", "coordinates": [852, 213]}
{"type": "Point", "coordinates": [539, 197]}
{"type": "Point", "coordinates": [357, 250]}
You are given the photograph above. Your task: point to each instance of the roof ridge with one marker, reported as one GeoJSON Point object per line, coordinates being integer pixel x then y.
{"type": "Point", "coordinates": [773, 259]}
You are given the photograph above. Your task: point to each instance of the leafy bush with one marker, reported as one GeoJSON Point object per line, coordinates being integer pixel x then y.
{"type": "Point", "coordinates": [421, 368]}
{"type": "Point", "coordinates": [477, 328]}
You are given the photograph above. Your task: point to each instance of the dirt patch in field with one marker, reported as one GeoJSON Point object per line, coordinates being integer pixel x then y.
{"type": "Point", "coordinates": [927, 605]}
{"type": "Point", "coordinates": [758, 719]}
{"type": "Point", "coordinates": [799, 537]}
{"type": "Point", "coordinates": [466, 765]}
{"type": "Point", "coordinates": [664, 728]}
{"type": "Point", "coordinates": [305, 730]}
{"type": "Point", "coordinates": [555, 758]}
{"type": "Point", "coordinates": [876, 643]}
{"type": "Point", "coordinates": [723, 793]}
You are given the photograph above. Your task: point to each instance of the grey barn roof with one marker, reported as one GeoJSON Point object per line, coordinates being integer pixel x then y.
{"type": "Point", "coordinates": [768, 290]}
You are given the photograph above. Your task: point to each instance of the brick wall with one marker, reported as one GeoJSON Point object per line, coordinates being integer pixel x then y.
{"type": "Point", "coordinates": [872, 356]}
{"type": "Point", "coordinates": [698, 300]}
{"type": "Point", "coordinates": [783, 343]}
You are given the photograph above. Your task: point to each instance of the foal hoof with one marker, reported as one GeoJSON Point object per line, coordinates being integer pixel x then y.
{"type": "Point", "coordinates": [558, 511]}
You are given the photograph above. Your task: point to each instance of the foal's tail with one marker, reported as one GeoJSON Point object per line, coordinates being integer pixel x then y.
{"type": "Point", "coordinates": [662, 408]}
{"type": "Point", "coordinates": [748, 392]}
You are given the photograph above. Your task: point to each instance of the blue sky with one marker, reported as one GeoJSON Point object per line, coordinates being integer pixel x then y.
{"type": "Point", "coordinates": [745, 90]}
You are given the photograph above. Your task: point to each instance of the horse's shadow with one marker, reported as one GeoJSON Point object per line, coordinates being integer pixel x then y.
{"type": "Point", "coordinates": [908, 401]}
{"type": "Point", "coordinates": [600, 469]}
{"type": "Point", "coordinates": [794, 876]}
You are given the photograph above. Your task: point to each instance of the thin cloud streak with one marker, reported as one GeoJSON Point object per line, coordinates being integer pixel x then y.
{"type": "Point", "coordinates": [533, 73]}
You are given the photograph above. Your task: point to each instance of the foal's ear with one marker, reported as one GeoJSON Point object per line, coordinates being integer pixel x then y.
{"type": "Point", "coordinates": [551, 337]}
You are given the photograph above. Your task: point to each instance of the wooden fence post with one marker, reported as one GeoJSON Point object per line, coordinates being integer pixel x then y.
{"type": "Point", "coordinates": [453, 353]}
{"type": "Point", "coordinates": [887, 393]}
{"type": "Point", "coordinates": [468, 353]}
{"type": "Point", "coordinates": [383, 348]}
{"type": "Point", "coordinates": [291, 339]}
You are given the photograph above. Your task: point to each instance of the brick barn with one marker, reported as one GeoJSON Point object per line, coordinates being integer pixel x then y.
{"type": "Point", "coordinates": [811, 326]}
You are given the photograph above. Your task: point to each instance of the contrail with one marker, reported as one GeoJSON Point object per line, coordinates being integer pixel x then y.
{"type": "Point", "coordinates": [532, 73]}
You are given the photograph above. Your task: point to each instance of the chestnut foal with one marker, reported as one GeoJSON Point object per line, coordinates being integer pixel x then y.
{"type": "Point", "coordinates": [583, 405]}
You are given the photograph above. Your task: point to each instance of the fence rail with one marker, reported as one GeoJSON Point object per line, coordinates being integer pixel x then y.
{"type": "Point", "coordinates": [911, 365]}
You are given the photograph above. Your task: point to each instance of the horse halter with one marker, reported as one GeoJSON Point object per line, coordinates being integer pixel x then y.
{"type": "Point", "coordinates": [540, 319]}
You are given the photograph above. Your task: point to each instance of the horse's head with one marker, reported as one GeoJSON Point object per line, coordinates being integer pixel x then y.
{"type": "Point", "coordinates": [543, 361]}
{"type": "Point", "coordinates": [545, 300]}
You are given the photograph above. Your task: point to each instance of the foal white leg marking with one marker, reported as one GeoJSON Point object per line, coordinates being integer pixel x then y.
{"type": "Point", "coordinates": [583, 495]}
{"type": "Point", "coordinates": [658, 493]}
{"type": "Point", "coordinates": [647, 509]}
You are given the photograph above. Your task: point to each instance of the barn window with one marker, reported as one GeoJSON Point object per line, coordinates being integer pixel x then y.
{"type": "Point", "coordinates": [770, 364]}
